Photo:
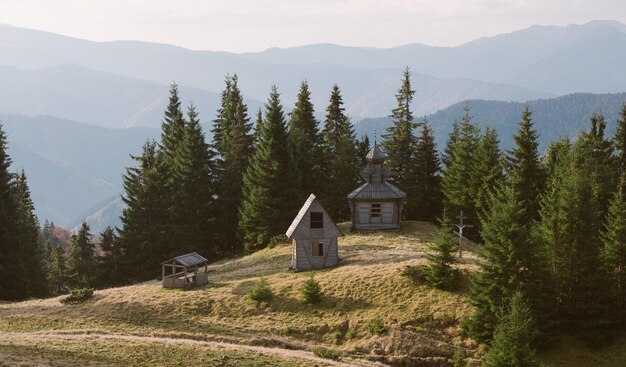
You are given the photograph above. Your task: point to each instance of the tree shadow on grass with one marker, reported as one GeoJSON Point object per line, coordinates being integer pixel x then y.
{"type": "Point", "coordinates": [328, 303]}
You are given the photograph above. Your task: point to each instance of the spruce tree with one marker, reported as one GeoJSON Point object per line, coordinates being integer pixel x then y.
{"type": "Point", "coordinates": [311, 291]}
{"type": "Point", "coordinates": [172, 135]}
{"type": "Point", "coordinates": [194, 212]}
{"type": "Point", "coordinates": [31, 252]}
{"type": "Point", "coordinates": [47, 233]}
{"type": "Point", "coordinates": [363, 147]}
{"type": "Point", "coordinates": [427, 197]}
{"type": "Point", "coordinates": [441, 274]}
{"type": "Point", "coordinates": [569, 231]}
{"type": "Point", "coordinates": [513, 340]}
{"type": "Point", "coordinates": [172, 128]}
{"type": "Point", "coordinates": [341, 164]}
{"type": "Point", "coordinates": [145, 219]}
{"type": "Point", "coordinates": [505, 269]}
{"type": "Point", "coordinates": [11, 266]}
{"type": "Point", "coordinates": [488, 172]}
{"type": "Point", "coordinates": [446, 157]}
{"type": "Point", "coordinates": [57, 277]}
{"type": "Point", "coordinates": [400, 145]}
{"type": "Point", "coordinates": [458, 173]}
{"type": "Point", "coordinates": [81, 260]}
{"type": "Point", "coordinates": [257, 126]}
{"type": "Point", "coordinates": [268, 204]}
{"type": "Point", "coordinates": [524, 170]}
{"type": "Point", "coordinates": [233, 144]}
{"type": "Point", "coordinates": [109, 262]}
{"type": "Point", "coordinates": [305, 144]}
{"type": "Point", "coordinates": [620, 143]}
{"type": "Point", "coordinates": [598, 158]}
{"type": "Point", "coordinates": [614, 238]}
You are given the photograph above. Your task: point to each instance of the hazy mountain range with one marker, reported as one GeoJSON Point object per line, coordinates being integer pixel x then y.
{"type": "Point", "coordinates": [49, 81]}
{"type": "Point", "coordinates": [554, 118]}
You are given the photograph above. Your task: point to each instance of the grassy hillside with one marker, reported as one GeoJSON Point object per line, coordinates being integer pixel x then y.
{"type": "Point", "coordinates": [131, 324]}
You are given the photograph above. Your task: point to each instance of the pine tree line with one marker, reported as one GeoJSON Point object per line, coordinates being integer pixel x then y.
{"type": "Point", "coordinates": [238, 193]}
{"type": "Point", "coordinates": [553, 232]}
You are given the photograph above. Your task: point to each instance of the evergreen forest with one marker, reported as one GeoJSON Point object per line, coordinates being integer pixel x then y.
{"type": "Point", "coordinates": [551, 226]}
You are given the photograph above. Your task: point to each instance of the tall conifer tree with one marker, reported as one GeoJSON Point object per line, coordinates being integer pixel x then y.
{"type": "Point", "coordinates": [614, 238]}
{"type": "Point", "coordinates": [172, 128]}
{"type": "Point", "coordinates": [599, 159]}
{"type": "Point", "coordinates": [31, 252]}
{"type": "Point", "coordinates": [233, 144]}
{"type": "Point", "coordinates": [569, 231]}
{"type": "Point", "coordinates": [427, 197]}
{"type": "Point", "coordinates": [9, 256]}
{"type": "Point", "coordinates": [363, 147]}
{"type": "Point", "coordinates": [145, 219]}
{"type": "Point", "coordinates": [305, 144]}
{"type": "Point", "coordinates": [524, 169]}
{"type": "Point", "coordinates": [57, 277]}
{"type": "Point", "coordinates": [110, 260]}
{"type": "Point", "coordinates": [620, 143]}
{"type": "Point", "coordinates": [487, 175]}
{"type": "Point", "coordinates": [458, 173]}
{"type": "Point", "coordinates": [194, 213]}
{"type": "Point", "coordinates": [503, 271]}
{"type": "Point", "coordinates": [81, 258]}
{"type": "Point", "coordinates": [400, 145]}
{"type": "Point", "coordinates": [341, 165]}
{"type": "Point", "coordinates": [268, 193]}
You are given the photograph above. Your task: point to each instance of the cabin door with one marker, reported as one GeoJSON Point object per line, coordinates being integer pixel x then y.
{"type": "Point", "coordinates": [363, 213]}
{"type": "Point", "coordinates": [375, 213]}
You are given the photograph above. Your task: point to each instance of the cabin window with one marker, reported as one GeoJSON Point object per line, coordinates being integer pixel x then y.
{"type": "Point", "coordinates": [318, 248]}
{"type": "Point", "coordinates": [317, 220]}
{"type": "Point", "coordinates": [376, 210]}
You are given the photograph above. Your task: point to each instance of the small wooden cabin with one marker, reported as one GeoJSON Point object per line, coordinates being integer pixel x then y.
{"type": "Point", "coordinates": [314, 235]}
{"type": "Point", "coordinates": [377, 204]}
{"type": "Point", "coordinates": [185, 271]}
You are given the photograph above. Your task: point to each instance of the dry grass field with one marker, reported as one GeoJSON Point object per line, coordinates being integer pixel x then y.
{"type": "Point", "coordinates": [217, 325]}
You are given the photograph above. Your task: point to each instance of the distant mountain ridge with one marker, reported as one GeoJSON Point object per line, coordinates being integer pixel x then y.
{"type": "Point", "coordinates": [554, 59]}
{"type": "Point", "coordinates": [70, 166]}
{"type": "Point", "coordinates": [554, 118]}
{"type": "Point", "coordinates": [365, 90]}
{"type": "Point", "coordinates": [98, 98]}
{"type": "Point", "coordinates": [48, 81]}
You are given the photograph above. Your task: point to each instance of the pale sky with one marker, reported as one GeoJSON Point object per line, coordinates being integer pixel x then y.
{"type": "Point", "coordinates": [255, 25]}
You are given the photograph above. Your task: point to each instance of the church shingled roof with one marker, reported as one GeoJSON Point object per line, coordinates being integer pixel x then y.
{"type": "Point", "coordinates": [376, 191]}
{"type": "Point", "coordinates": [376, 155]}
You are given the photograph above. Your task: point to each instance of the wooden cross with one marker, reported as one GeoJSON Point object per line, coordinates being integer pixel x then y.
{"type": "Point", "coordinates": [460, 226]}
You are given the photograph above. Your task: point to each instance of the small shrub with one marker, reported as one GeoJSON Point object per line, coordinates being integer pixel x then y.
{"type": "Point", "coordinates": [338, 336]}
{"type": "Point", "coordinates": [376, 326]}
{"type": "Point", "coordinates": [277, 240]}
{"type": "Point", "coordinates": [77, 295]}
{"type": "Point", "coordinates": [327, 353]}
{"type": "Point", "coordinates": [458, 359]}
{"type": "Point", "coordinates": [311, 291]}
{"type": "Point", "coordinates": [261, 292]}
{"type": "Point", "coordinates": [351, 334]}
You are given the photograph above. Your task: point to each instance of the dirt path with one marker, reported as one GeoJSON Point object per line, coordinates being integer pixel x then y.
{"type": "Point", "coordinates": [38, 337]}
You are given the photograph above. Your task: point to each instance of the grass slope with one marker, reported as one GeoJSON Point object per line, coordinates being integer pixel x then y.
{"type": "Point", "coordinates": [130, 324]}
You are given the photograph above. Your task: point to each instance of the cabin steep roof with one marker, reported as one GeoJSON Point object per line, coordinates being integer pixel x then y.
{"type": "Point", "coordinates": [188, 260]}
{"type": "Point", "coordinates": [297, 221]}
